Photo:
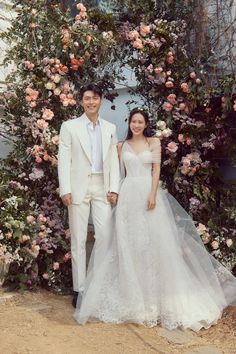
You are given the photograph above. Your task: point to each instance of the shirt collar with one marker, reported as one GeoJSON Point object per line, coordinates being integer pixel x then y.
{"type": "Point", "coordinates": [88, 121]}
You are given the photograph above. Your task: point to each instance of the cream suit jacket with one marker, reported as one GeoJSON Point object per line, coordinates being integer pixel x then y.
{"type": "Point", "coordinates": [74, 158]}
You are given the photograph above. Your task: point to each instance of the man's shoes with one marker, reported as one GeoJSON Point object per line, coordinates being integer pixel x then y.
{"type": "Point", "coordinates": [77, 299]}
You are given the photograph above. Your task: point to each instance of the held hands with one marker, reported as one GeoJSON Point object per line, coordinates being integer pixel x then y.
{"type": "Point", "coordinates": [151, 202]}
{"type": "Point", "coordinates": [67, 199]}
{"type": "Point", "coordinates": [112, 198]}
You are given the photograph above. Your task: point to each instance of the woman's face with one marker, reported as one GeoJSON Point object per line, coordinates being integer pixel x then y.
{"type": "Point", "coordinates": [137, 124]}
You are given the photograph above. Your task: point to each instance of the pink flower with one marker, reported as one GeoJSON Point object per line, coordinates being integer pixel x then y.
{"type": "Point", "coordinates": [172, 98]}
{"type": "Point", "coordinates": [169, 84]}
{"type": "Point", "coordinates": [47, 114]}
{"type": "Point", "coordinates": [188, 141]}
{"type": "Point", "coordinates": [30, 219]}
{"type": "Point", "coordinates": [198, 81]}
{"type": "Point", "coordinates": [138, 44]}
{"type": "Point", "coordinates": [158, 70]}
{"type": "Point", "coordinates": [229, 242]}
{"type": "Point", "coordinates": [133, 35]}
{"type": "Point", "coordinates": [144, 30]}
{"type": "Point", "coordinates": [185, 88]}
{"type": "Point", "coordinates": [172, 147]}
{"type": "Point", "coordinates": [170, 60]}
{"type": "Point", "coordinates": [33, 26]}
{"type": "Point", "coordinates": [37, 173]}
{"type": "Point", "coordinates": [42, 124]}
{"type": "Point", "coordinates": [67, 256]}
{"type": "Point", "coordinates": [192, 75]}
{"type": "Point", "coordinates": [201, 228]}
{"type": "Point", "coordinates": [38, 159]}
{"type": "Point", "coordinates": [33, 12]}
{"type": "Point", "coordinates": [55, 139]}
{"type": "Point", "coordinates": [81, 7]}
{"type": "Point", "coordinates": [167, 106]}
{"type": "Point", "coordinates": [186, 162]}
{"type": "Point", "coordinates": [181, 138]}
{"type": "Point", "coordinates": [33, 104]}
{"type": "Point", "coordinates": [215, 245]}
{"type": "Point", "coordinates": [56, 265]}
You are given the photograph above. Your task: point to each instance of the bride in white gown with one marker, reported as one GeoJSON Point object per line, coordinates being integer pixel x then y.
{"type": "Point", "coordinates": [156, 270]}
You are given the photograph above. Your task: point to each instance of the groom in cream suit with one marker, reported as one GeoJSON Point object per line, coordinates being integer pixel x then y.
{"type": "Point", "coordinates": [88, 169]}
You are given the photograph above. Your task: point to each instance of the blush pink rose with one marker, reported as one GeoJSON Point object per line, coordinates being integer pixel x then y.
{"type": "Point", "coordinates": [55, 139]}
{"type": "Point", "coordinates": [167, 106]}
{"type": "Point", "coordinates": [30, 219]}
{"type": "Point", "coordinates": [172, 147]}
{"type": "Point", "coordinates": [192, 75]}
{"type": "Point", "coordinates": [185, 87]}
{"type": "Point", "coordinates": [133, 35]}
{"type": "Point", "coordinates": [181, 138]}
{"type": "Point", "coordinates": [172, 98]}
{"type": "Point", "coordinates": [169, 84]}
{"type": "Point", "coordinates": [170, 60]}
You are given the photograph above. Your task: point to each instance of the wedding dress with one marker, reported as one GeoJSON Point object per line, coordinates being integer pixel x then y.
{"type": "Point", "coordinates": [156, 270]}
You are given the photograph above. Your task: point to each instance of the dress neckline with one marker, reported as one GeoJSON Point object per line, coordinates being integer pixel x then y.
{"type": "Point", "coordinates": [136, 153]}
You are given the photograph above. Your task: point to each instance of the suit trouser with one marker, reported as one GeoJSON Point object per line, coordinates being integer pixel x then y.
{"type": "Point", "coordinates": [95, 200]}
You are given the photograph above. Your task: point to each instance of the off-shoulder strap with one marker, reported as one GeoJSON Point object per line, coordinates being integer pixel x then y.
{"type": "Point", "coordinates": [155, 148]}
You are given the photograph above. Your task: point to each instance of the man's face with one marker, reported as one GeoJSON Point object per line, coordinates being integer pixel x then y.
{"type": "Point", "coordinates": [91, 102]}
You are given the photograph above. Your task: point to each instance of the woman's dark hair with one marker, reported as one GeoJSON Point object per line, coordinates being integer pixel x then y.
{"type": "Point", "coordinates": [147, 131]}
{"type": "Point", "coordinates": [91, 87]}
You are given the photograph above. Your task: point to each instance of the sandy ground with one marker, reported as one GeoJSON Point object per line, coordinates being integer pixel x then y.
{"type": "Point", "coordinates": [42, 322]}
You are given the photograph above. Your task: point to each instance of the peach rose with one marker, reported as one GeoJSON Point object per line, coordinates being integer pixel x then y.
{"type": "Point", "coordinates": [55, 139]}
{"type": "Point", "coordinates": [138, 44]}
{"type": "Point", "coordinates": [30, 219]}
{"type": "Point", "coordinates": [133, 35]}
{"type": "Point", "coordinates": [47, 114]}
{"type": "Point", "coordinates": [42, 124]}
{"type": "Point", "coordinates": [144, 30]}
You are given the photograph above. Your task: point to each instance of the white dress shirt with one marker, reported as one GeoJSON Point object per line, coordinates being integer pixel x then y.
{"type": "Point", "coordinates": [95, 135]}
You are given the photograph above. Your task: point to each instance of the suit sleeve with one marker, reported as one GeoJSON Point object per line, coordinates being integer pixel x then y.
{"type": "Point", "coordinates": [115, 168]}
{"type": "Point", "coordinates": [64, 161]}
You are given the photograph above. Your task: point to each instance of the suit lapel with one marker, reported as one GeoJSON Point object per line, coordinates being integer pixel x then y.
{"type": "Point", "coordinates": [84, 137]}
{"type": "Point", "coordinates": [106, 139]}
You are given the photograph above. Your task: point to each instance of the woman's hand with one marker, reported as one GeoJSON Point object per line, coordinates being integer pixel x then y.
{"type": "Point", "coordinates": [151, 202]}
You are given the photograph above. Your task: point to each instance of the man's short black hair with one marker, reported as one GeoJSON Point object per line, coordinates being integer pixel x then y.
{"type": "Point", "coordinates": [91, 87]}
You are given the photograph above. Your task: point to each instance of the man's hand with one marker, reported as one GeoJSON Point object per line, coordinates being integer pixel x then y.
{"type": "Point", "coordinates": [112, 198]}
{"type": "Point", "coordinates": [67, 199]}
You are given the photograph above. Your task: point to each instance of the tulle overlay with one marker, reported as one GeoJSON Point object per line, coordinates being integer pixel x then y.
{"type": "Point", "coordinates": [156, 270]}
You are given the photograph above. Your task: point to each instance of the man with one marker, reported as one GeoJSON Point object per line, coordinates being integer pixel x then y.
{"type": "Point", "coordinates": [88, 170]}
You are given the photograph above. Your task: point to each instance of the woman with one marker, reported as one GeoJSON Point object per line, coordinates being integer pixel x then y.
{"type": "Point", "coordinates": [157, 270]}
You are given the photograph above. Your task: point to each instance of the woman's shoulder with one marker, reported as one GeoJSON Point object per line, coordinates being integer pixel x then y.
{"type": "Point", "coordinates": [154, 141]}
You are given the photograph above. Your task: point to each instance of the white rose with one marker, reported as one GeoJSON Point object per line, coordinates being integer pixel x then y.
{"type": "Point", "coordinates": [161, 124]}
{"type": "Point", "coordinates": [159, 133]}
{"type": "Point", "coordinates": [166, 132]}
{"type": "Point", "coordinates": [229, 242]}
{"type": "Point", "coordinates": [215, 245]}
{"type": "Point", "coordinates": [57, 79]}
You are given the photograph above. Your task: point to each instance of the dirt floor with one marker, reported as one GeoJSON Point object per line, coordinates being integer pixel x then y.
{"type": "Point", "coordinates": [43, 323]}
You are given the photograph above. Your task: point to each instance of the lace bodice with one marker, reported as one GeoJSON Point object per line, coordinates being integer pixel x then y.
{"type": "Point", "coordinates": [140, 164]}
